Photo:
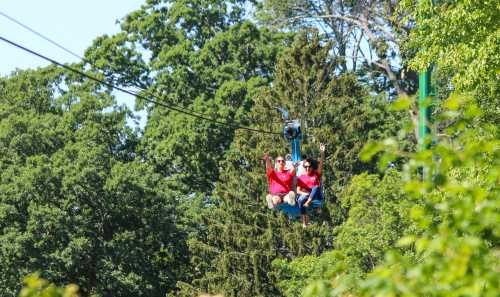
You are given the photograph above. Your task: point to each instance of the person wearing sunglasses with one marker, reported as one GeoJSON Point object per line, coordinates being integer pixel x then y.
{"type": "Point", "coordinates": [280, 182]}
{"type": "Point", "coordinates": [309, 185]}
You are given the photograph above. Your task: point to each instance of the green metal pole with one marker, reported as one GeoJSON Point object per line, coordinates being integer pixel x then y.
{"type": "Point", "coordinates": [424, 110]}
{"type": "Point", "coordinates": [424, 104]}
{"type": "Point", "coordinates": [424, 86]}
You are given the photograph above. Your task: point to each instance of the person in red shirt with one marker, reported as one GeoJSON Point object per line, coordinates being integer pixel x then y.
{"type": "Point", "coordinates": [280, 182]}
{"type": "Point", "coordinates": [309, 185]}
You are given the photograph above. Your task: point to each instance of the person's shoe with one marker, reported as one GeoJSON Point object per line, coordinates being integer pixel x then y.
{"type": "Point", "coordinates": [269, 200]}
{"type": "Point", "coordinates": [286, 199]}
{"type": "Point", "coordinates": [290, 198]}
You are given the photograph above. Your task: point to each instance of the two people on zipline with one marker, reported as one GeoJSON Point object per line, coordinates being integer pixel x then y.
{"type": "Point", "coordinates": [281, 182]}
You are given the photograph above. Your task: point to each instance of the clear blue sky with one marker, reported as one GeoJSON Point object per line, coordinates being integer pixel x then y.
{"type": "Point", "coordinates": [73, 24]}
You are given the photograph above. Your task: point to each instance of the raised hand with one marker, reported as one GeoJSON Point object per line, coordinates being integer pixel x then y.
{"type": "Point", "coordinates": [322, 147]}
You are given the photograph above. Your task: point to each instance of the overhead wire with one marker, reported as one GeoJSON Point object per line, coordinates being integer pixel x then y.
{"type": "Point", "coordinates": [181, 109]}
{"type": "Point", "coordinates": [136, 87]}
{"type": "Point", "coordinates": [93, 78]}
{"type": "Point", "coordinates": [42, 36]}
{"type": "Point", "coordinates": [51, 41]}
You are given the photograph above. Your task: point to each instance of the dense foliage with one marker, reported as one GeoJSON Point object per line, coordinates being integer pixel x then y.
{"type": "Point", "coordinates": [235, 251]}
{"type": "Point", "coordinates": [76, 202]}
{"type": "Point", "coordinates": [203, 57]}
{"type": "Point", "coordinates": [377, 216]}
{"type": "Point", "coordinates": [37, 287]}
{"type": "Point", "coordinates": [177, 208]}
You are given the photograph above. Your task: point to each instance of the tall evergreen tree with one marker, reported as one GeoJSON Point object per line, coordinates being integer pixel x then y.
{"type": "Point", "coordinates": [240, 238]}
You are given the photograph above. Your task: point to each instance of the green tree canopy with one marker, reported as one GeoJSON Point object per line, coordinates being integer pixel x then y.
{"type": "Point", "coordinates": [76, 202]}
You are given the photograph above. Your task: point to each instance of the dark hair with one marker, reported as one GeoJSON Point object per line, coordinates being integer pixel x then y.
{"type": "Point", "coordinates": [314, 163]}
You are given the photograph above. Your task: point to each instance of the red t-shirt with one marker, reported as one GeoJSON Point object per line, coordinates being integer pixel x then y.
{"type": "Point", "coordinates": [280, 182]}
{"type": "Point", "coordinates": [306, 181]}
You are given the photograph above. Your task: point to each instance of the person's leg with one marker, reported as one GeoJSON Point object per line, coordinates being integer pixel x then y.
{"type": "Point", "coordinates": [304, 220]}
{"type": "Point", "coordinates": [302, 208]}
{"type": "Point", "coordinates": [300, 202]}
{"type": "Point", "coordinates": [269, 200]}
{"type": "Point", "coordinates": [316, 193]}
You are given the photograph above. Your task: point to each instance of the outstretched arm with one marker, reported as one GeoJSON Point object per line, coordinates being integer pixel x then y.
{"type": "Point", "coordinates": [269, 166]}
{"type": "Point", "coordinates": [322, 148]}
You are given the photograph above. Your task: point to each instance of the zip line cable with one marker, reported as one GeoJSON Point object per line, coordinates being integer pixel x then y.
{"type": "Point", "coordinates": [12, 19]}
{"type": "Point", "coordinates": [81, 73]}
{"type": "Point", "coordinates": [136, 87]}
